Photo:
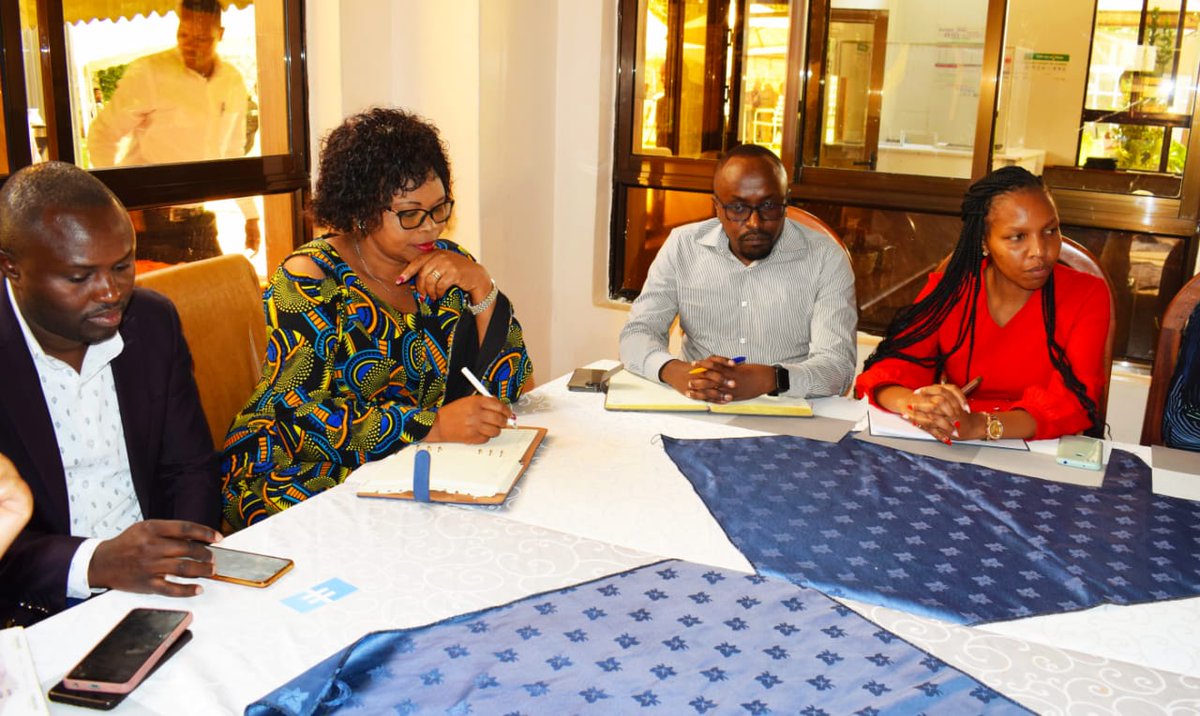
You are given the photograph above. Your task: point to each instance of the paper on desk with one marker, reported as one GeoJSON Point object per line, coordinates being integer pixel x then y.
{"type": "Point", "coordinates": [883, 424]}
{"type": "Point", "coordinates": [20, 691]}
{"type": "Point", "coordinates": [1175, 473]}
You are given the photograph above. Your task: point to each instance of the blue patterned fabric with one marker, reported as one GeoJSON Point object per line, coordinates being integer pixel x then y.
{"type": "Point", "coordinates": [954, 541]}
{"type": "Point", "coordinates": [669, 638]}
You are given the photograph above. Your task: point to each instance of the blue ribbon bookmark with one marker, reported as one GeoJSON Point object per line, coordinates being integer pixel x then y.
{"type": "Point", "coordinates": [421, 475]}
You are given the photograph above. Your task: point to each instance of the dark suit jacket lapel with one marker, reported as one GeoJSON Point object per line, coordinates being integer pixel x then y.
{"type": "Point", "coordinates": [28, 415]}
{"type": "Point", "coordinates": [128, 368]}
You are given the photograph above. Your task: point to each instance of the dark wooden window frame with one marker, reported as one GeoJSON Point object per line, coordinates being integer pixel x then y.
{"type": "Point", "coordinates": [156, 185]}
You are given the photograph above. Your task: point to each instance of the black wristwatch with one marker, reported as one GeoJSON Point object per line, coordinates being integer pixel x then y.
{"type": "Point", "coordinates": [782, 382]}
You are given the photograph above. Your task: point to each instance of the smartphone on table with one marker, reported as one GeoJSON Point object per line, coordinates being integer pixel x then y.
{"type": "Point", "coordinates": [248, 568]}
{"type": "Point", "coordinates": [127, 653]}
{"type": "Point", "coordinates": [107, 701]}
{"type": "Point", "coordinates": [592, 380]}
{"type": "Point", "coordinates": [1080, 451]}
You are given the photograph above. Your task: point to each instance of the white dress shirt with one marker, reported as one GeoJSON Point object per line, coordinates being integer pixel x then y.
{"type": "Point", "coordinates": [795, 308]}
{"type": "Point", "coordinates": [169, 113]}
{"type": "Point", "coordinates": [91, 442]}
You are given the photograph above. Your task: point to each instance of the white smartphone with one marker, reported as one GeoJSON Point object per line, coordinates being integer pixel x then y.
{"type": "Point", "coordinates": [248, 568]}
{"type": "Point", "coordinates": [127, 653]}
{"type": "Point", "coordinates": [1081, 451]}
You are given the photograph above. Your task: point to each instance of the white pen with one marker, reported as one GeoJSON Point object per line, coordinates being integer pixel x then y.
{"type": "Point", "coordinates": [478, 385]}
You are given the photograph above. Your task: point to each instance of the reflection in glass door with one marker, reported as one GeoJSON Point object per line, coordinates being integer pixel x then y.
{"type": "Point", "coordinates": [712, 75]}
{"type": "Point", "coordinates": [763, 74]}
{"type": "Point", "coordinates": [853, 88]}
{"type": "Point", "coordinates": [895, 86]}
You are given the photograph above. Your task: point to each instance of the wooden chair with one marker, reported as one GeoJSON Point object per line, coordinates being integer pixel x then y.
{"type": "Point", "coordinates": [1169, 337]}
{"type": "Point", "coordinates": [802, 217]}
{"type": "Point", "coordinates": [220, 306]}
{"type": "Point", "coordinates": [1076, 256]}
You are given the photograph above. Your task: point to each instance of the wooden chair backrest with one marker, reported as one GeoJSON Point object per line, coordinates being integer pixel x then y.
{"type": "Point", "coordinates": [802, 217]}
{"type": "Point", "coordinates": [1165, 357]}
{"type": "Point", "coordinates": [220, 307]}
{"type": "Point", "coordinates": [1076, 256]}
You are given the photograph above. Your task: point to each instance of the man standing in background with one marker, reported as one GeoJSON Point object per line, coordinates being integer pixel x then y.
{"type": "Point", "coordinates": [180, 105]}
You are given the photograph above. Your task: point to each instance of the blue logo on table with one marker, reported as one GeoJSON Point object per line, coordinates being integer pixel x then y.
{"type": "Point", "coordinates": [320, 595]}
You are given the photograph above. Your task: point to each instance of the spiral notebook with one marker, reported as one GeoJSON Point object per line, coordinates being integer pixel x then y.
{"type": "Point", "coordinates": [474, 474]}
{"type": "Point", "coordinates": [627, 391]}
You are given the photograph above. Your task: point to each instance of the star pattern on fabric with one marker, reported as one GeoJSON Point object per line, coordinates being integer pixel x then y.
{"type": "Point", "coordinates": [756, 645]}
{"type": "Point", "coordinates": [954, 541]}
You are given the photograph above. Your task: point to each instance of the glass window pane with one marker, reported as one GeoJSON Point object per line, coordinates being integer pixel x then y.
{"type": "Point", "coordinates": [1147, 271]}
{"type": "Point", "coordinates": [189, 232]}
{"type": "Point", "coordinates": [1132, 69]}
{"type": "Point", "coordinates": [151, 83]}
{"type": "Point", "coordinates": [650, 215]}
{"type": "Point", "coordinates": [901, 86]}
{"type": "Point", "coordinates": [764, 74]}
{"type": "Point", "coordinates": [892, 253]}
{"type": "Point", "coordinates": [39, 141]}
{"type": "Point", "coordinates": [709, 77]}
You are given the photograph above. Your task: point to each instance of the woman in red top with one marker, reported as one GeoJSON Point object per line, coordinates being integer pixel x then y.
{"type": "Point", "coordinates": [1004, 311]}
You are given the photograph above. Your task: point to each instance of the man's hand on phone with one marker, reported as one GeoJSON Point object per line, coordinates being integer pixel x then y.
{"type": "Point", "coordinates": [138, 559]}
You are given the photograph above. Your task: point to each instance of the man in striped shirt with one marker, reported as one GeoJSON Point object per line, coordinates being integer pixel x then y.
{"type": "Point", "coordinates": [766, 305]}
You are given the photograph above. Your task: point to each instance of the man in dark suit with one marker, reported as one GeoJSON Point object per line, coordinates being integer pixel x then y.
{"type": "Point", "coordinates": [99, 410]}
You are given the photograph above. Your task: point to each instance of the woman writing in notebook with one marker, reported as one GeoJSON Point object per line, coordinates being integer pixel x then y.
{"type": "Point", "coordinates": [370, 326]}
{"type": "Point", "coordinates": [1005, 311]}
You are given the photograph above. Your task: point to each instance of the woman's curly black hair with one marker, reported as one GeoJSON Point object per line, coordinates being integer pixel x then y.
{"type": "Point", "coordinates": [369, 158]}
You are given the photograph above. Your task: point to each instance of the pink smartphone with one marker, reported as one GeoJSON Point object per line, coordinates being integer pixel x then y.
{"type": "Point", "coordinates": [127, 653]}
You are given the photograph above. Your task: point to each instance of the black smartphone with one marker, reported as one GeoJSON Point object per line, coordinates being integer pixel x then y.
{"type": "Point", "coordinates": [107, 701]}
{"type": "Point", "coordinates": [127, 653]}
{"type": "Point", "coordinates": [248, 568]}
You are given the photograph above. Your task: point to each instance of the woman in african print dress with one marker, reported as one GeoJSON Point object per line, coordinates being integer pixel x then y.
{"type": "Point", "coordinates": [370, 326]}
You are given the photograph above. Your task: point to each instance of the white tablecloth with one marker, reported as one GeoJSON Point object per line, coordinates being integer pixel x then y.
{"type": "Point", "coordinates": [601, 496]}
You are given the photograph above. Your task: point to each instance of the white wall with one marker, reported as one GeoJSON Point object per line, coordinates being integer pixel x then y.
{"type": "Point", "coordinates": [523, 93]}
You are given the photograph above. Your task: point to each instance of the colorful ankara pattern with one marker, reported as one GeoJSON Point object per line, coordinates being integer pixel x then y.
{"type": "Point", "coordinates": [670, 638]}
{"type": "Point", "coordinates": [348, 379]}
{"type": "Point", "coordinates": [949, 540]}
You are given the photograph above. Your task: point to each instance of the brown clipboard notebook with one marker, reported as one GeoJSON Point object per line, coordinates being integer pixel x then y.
{"type": "Point", "coordinates": [458, 473]}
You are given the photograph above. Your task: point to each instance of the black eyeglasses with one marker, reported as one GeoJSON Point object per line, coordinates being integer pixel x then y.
{"type": "Point", "coordinates": [740, 211]}
{"type": "Point", "coordinates": [414, 218]}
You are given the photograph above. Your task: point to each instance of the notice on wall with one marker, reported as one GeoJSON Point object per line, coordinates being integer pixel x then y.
{"type": "Point", "coordinates": [960, 34]}
{"type": "Point", "coordinates": [1049, 65]}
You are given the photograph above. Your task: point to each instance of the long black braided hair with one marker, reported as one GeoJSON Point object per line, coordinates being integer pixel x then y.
{"type": "Point", "coordinates": [960, 283]}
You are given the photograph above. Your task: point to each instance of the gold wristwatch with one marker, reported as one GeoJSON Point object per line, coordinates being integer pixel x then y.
{"type": "Point", "coordinates": [995, 428]}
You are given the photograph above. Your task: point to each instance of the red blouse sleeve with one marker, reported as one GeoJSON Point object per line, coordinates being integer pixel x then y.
{"type": "Point", "coordinates": [1081, 328]}
{"type": "Point", "coordinates": [895, 371]}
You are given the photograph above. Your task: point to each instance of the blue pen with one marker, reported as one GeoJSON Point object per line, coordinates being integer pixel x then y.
{"type": "Point", "coordinates": [738, 360]}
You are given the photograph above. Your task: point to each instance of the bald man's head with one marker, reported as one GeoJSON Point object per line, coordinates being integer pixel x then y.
{"type": "Point", "coordinates": [35, 194]}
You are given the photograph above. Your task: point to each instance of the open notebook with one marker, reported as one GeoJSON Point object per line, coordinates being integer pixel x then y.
{"type": "Point", "coordinates": [627, 391]}
{"type": "Point", "coordinates": [478, 474]}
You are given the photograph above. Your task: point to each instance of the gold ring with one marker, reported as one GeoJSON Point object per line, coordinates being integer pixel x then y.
{"type": "Point", "coordinates": [436, 274]}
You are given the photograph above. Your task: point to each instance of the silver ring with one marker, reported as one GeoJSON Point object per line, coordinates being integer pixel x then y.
{"type": "Point", "coordinates": [436, 274]}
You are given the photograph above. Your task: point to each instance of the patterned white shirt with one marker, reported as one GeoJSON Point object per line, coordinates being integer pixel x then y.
{"type": "Point", "coordinates": [91, 442]}
{"type": "Point", "coordinates": [795, 308]}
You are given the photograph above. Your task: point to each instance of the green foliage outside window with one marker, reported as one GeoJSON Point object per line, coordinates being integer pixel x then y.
{"type": "Point", "coordinates": [108, 79]}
